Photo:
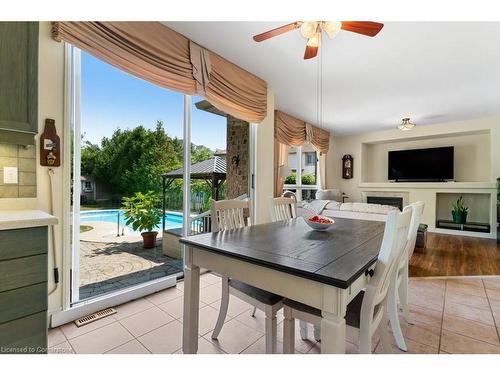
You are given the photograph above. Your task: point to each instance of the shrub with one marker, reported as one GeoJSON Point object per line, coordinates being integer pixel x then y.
{"type": "Point", "coordinates": [290, 179]}
{"type": "Point", "coordinates": [307, 179]}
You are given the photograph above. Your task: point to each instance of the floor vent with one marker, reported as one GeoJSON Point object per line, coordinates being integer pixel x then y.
{"type": "Point", "coordinates": [95, 316]}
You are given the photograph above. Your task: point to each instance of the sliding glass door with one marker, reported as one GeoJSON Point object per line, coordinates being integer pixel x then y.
{"type": "Point", "coordinates": [127, 141]}
{"type": "Point", "coordinates": [126, 134]}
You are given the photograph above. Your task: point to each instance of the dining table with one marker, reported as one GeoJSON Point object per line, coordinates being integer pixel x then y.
{"type": "Point", "coordinates": [322, 269]}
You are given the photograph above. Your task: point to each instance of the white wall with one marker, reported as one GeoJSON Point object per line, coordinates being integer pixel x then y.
{"type": "Point", "coordinates": [50, 105]}
{"type": "Point", "coordinates": [264, 163]}
{"type": "Point", "coordinates": [371, 163]}
{"type": "Point", "coordinates": [471, 154]}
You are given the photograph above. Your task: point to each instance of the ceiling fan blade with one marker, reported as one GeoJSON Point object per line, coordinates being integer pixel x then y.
{"type": "Point", "coordinates": [275, 32]}
{"type": "Point", "coordinates": [310, 52]}
{"type": "Point", "coordinates": [362, 27]}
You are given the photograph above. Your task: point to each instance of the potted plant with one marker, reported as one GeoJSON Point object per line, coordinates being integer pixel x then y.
{"type": "Point", "coordinates": [459, 211]}
{"type": "Point", "coordinates": [143, 214]}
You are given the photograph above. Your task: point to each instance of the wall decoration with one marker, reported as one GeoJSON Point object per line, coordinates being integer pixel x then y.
{"type": "Point", "coordinates": [50, 146]}
{"type": "Point", "coordinates": [347, 165]}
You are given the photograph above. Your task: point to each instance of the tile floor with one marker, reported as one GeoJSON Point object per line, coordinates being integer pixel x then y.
{"type": "Point", "coordinates": [454, 315]}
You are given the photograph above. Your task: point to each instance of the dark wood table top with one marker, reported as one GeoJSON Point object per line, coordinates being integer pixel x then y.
{"type": "Point", "coordinates": [335, 257]}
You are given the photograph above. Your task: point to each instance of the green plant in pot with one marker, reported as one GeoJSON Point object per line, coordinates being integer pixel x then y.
{"type": "Point", "coordinates": [143, 214]}
{"type": "Point", "coordinates": [459, 211]}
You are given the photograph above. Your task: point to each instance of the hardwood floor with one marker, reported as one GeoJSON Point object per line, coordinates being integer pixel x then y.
{"type": "Point", "coordinates": [447, 255]}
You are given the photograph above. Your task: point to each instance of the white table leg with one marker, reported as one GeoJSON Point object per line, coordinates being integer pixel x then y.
{"type": "Point", "coordinates": [332, 334]}
{"type": "Point", "coordinates": [191, 309]}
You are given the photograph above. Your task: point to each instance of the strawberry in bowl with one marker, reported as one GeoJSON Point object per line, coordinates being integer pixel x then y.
{"type": "Point", "coordinates": [318, 222]}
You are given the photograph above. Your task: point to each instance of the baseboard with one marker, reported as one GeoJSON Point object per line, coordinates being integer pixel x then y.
{"type": "Point", "coordinates": [455, 277]}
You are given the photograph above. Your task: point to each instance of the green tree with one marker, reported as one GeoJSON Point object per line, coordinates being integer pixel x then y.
{"type": "Point", "coordinates": [89, 154]}
{"type": "Point", "coordinates": [133, 160]}
{"type": "Point", "coordinates": [200, 153]}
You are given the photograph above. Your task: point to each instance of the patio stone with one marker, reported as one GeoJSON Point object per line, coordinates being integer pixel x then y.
{"type": "Point", "coordinates": [107, 267]}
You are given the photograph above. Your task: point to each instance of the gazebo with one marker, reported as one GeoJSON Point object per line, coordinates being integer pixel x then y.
{"type": "Point", "coordinates": [212, 171]}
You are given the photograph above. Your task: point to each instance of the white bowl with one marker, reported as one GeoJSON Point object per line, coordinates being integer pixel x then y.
{"type": "Point", "coordinates": [318, 226]}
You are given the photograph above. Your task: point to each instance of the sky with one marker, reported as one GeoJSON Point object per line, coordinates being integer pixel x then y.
{"type": "Point", "coordinates": [111, 98]}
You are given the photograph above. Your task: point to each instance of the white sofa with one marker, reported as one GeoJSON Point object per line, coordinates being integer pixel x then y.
{"type": "Point", "coordinates": [349, 210]}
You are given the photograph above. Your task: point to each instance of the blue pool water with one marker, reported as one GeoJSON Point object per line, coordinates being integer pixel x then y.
{"type": "Point", "coordinates": [172, 219]}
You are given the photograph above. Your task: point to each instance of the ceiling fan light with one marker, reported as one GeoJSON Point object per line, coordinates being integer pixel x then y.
{"type": "Point", "coordinates": [314, 41]}
{"type": "Point", "coordinates": [331, 28]}
{"type": "Point", "coordinates": [308, 29]}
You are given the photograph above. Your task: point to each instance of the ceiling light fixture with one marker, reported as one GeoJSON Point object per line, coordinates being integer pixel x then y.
{"type": "Point", "coordinates": [406, 124]}
{"type": "Point", "coordinates": [308, 29]}
{"type": "Point", "coordinates": [332, 28]}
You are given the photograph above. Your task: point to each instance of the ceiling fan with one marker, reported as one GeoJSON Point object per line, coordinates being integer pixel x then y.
{"type": "Point", "coordinates": [312, 30]}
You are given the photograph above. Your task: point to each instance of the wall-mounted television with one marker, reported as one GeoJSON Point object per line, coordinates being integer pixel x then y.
{"type": "Point", "coordinates": [426, 164]}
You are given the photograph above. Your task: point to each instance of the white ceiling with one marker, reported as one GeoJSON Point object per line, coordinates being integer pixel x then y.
{"type": "Point", "coordinates": [432, 72]}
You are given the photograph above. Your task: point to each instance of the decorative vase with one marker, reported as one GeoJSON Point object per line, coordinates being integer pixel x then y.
{"type": "Point", "coordinates": [149, 239]}
{"type": "Point", "coordinates": [459, 217]}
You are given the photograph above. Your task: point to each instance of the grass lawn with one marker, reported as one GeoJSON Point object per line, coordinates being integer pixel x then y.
{"type": "Point", "coordinates": [85, 228]}
{"type": "Point", "coordinates": [88, 207]}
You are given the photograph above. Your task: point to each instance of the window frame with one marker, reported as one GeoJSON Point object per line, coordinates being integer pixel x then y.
{"type": "Point", "coordinates": [298, 187]}
{"type": "Point", "coordinates": [87, 186]}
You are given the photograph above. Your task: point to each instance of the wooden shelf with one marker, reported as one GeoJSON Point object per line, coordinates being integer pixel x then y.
{"type": "Point", "coordinates": [469, 227]}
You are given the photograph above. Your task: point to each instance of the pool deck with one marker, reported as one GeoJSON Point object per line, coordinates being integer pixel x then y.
{"type": "Point", "coordinates": [106, 232]}
{"type": "Point", "coordinates": [109, 262]}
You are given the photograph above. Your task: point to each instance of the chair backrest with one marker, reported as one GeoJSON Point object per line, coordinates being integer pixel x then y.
{"type": "Point", "coordinates": [290, 194]}
{"type": "Point", "coordinates": [228, 214]}
{"type": "Point", "coordinates": [282, 209]}
{"type": "Point", "coordinates": [418, 210]}
{"type": "Point", "coordinates": [416, 213]}
{"type": "Point", "coordinates": [393, 244]}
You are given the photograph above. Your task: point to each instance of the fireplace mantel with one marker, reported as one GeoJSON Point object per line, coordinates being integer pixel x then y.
{"type": "Point", "coordinates": [428, 192]}
{"type": "Point", "coordinates": [428, 185]}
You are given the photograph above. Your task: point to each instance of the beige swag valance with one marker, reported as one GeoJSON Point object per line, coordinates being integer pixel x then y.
{"type": "Point", "coordinates": [158, 54]}
{"type": "Point", "coordinates": [290, 131]}
{"type": "Point", "coordinates": [294, 132]}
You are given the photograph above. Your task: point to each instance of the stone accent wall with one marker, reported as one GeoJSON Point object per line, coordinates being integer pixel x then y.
{"type": "Point", "coordinates": [237, 145]}
{"type": "Point", "coordinates": [24, 158]}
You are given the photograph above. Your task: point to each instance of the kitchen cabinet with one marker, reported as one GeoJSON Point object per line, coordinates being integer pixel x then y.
{"type": "Point", "coordinates": [23, 281]}
{"type": "Point", "coordinates": [18, 82]}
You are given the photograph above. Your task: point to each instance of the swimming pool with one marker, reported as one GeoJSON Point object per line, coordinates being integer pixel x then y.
{"type": "Point", "coordinates": [172, 219]}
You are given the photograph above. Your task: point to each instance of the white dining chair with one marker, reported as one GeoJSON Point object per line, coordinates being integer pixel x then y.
{"type": "Point", "coordinates": [227, 215]}
{"type": "Point", "coordinates": [398, 292]}
{"type": "Point", "coordinates": [367, 311]}
{"type": "Point", "coordinates": [282, 208]}
{"type": "Point", "coordinates": [289, 194]}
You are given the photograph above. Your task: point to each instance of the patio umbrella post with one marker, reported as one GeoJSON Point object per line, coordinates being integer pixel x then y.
{"type": "Point", "coordinates": [215, 188]}
{"type": "Point", "coordinates": [118, 224]}
{"type": "Point", "coordinates": [164, 191]}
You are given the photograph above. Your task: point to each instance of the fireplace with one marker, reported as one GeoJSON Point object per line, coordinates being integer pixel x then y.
{"type": "Point", "coordinates": [389, 201]}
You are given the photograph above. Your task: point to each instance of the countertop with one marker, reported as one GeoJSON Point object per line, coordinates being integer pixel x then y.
{"type": "Point", "coordinates": [15, 219]}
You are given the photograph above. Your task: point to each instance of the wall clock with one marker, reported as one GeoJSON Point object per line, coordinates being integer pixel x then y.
{"type": "Point", "coordinates": [347, 165]}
